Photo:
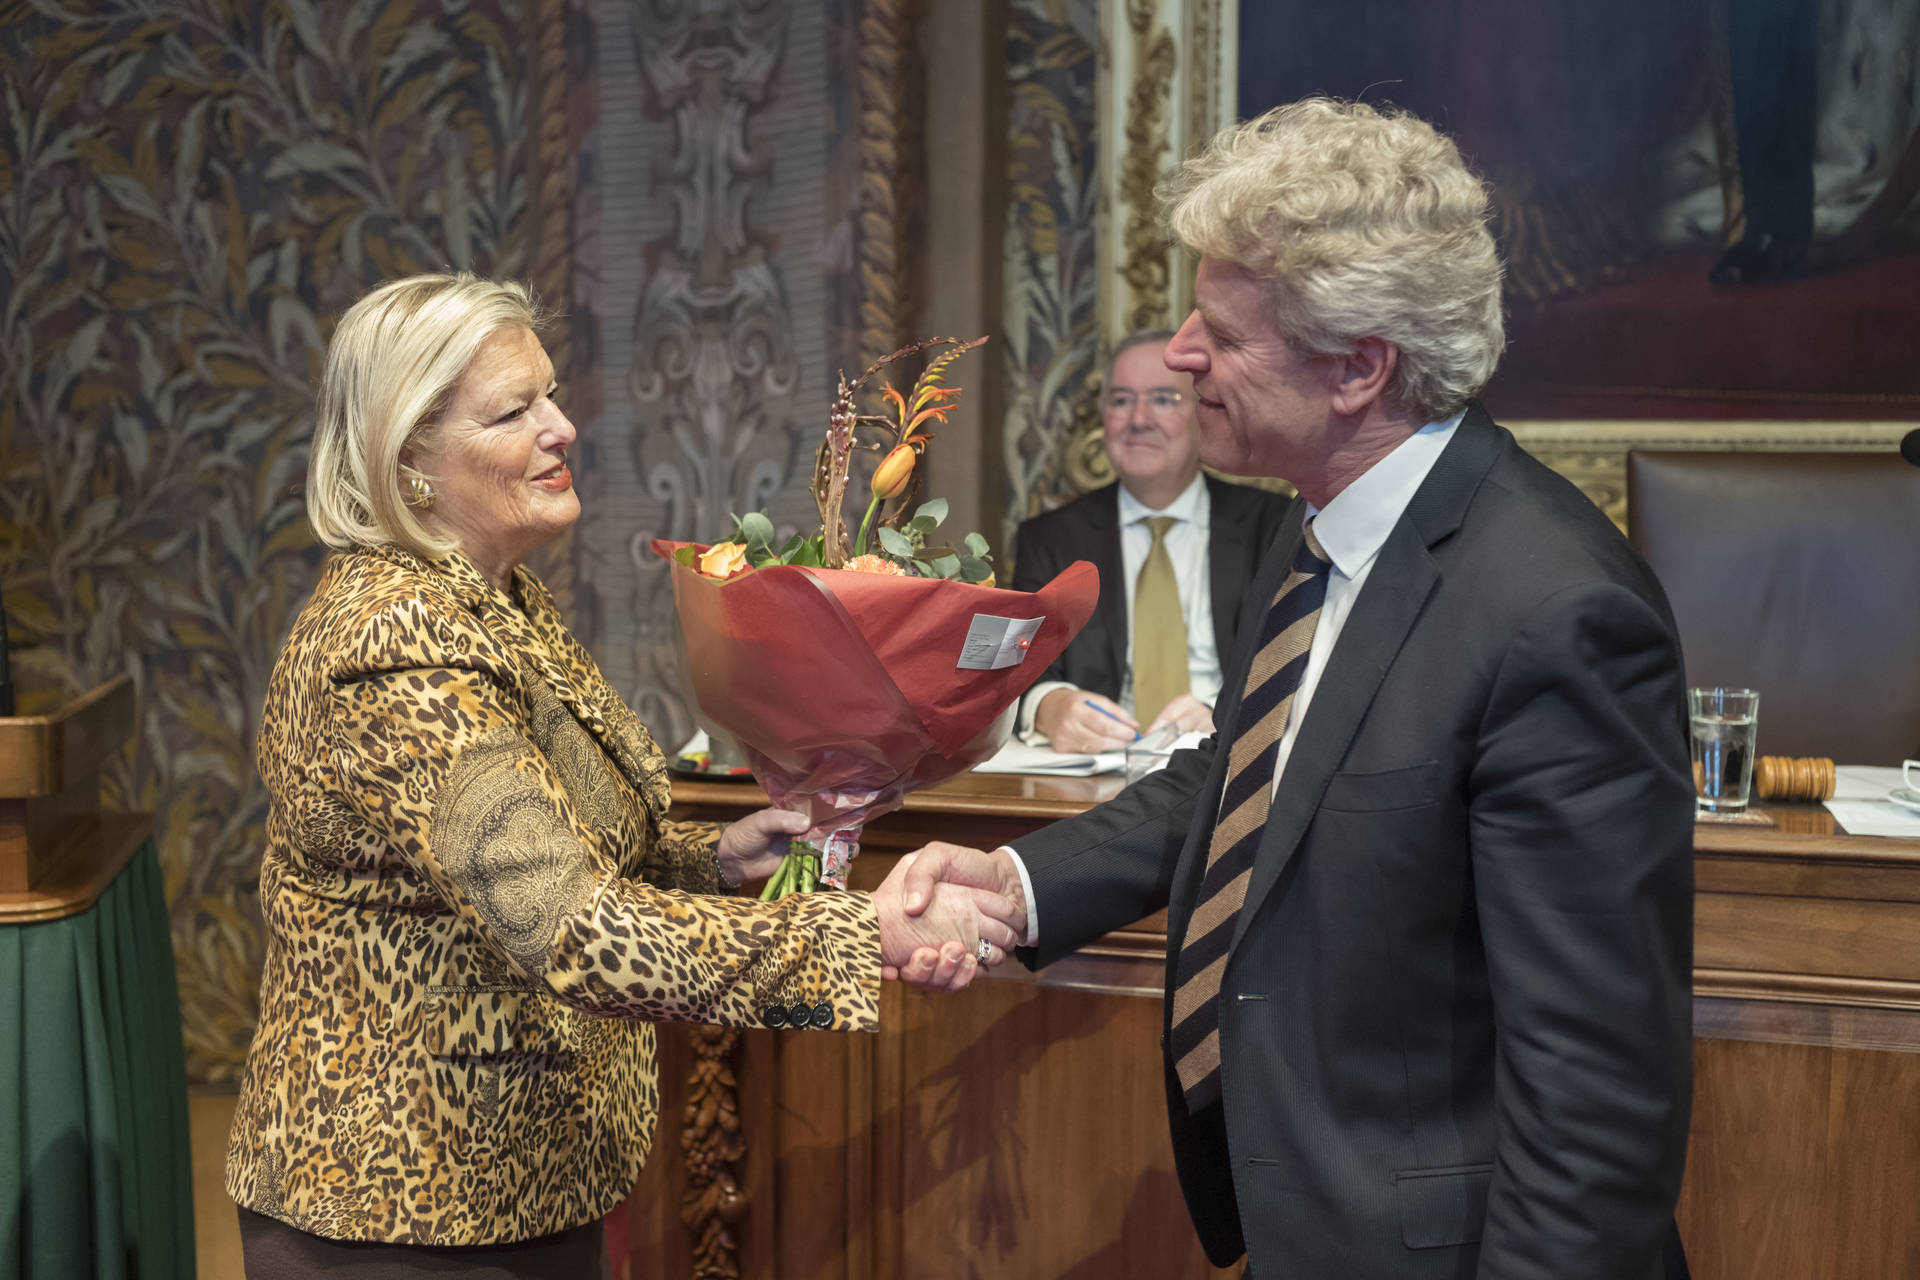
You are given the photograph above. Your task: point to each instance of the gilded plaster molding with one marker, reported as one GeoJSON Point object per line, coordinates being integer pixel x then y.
{"type": "Point", "coordinates": [1165, 84]}
{"type": "Point", "coordinates": [1594, 454]}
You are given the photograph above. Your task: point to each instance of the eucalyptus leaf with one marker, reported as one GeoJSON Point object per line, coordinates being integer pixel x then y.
{"type": "Point", "coordinates": [934, 509]}
{"type": "Point", "coordinates": [974, 569]}
{"type": "Point", "coordinates": [895, 542]}
{"type": "Point", "coordinates": [977, 547]}
{"type": "Point", "coordinates": [946, 567]}
{"type": "Point", "coordinates": [757, 529]}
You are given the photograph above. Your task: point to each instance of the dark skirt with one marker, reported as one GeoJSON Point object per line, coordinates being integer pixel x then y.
{"type": "Point", "coordinates": [275, 1251]}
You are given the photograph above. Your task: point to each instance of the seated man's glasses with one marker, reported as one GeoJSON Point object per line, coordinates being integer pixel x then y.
{"type": "Point", "coordinates": [1159, 400]}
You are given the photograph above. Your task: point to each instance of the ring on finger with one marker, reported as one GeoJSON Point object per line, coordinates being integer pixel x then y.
{"type": "Point", "coordinates": [984, 952]}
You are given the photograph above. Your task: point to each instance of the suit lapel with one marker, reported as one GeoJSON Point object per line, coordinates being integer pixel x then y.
{"type": "Point", "coordinates": [1103, 548]}
{"type": "Point", "coordinates": [1396, 590]}
{"type": "Point", "coordinates": [1229, 554]}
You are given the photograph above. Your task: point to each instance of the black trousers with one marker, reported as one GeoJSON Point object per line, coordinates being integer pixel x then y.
{"type": "Point", "coordinates": [275, 1251]}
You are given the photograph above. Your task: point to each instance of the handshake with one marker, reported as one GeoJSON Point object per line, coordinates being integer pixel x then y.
{"type": "Point", "coordinates": [948, 911]}
{"type": "Point", "coordinates": [945, 911]}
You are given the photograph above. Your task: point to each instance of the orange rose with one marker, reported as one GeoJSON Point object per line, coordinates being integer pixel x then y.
{"type": "Point", "coordinates": [725, 560]}
{"type": "Point", "coordinates": [875, 564]}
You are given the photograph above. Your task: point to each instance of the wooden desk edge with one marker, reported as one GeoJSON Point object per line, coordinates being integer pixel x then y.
{"type": "Point", "coordinates": [83, 874]}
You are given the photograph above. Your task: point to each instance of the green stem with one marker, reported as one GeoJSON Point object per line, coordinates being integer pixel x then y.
{"type": "Point", "coordinates": [770, 892]}
{"type": "Point", "coordinates": [860, 543]}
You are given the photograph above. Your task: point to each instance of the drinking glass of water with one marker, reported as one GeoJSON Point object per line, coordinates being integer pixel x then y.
{"type": "Point", "coordinates": [1722, 725]}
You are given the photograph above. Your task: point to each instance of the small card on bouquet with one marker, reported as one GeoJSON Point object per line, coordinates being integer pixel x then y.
{"type": "Point", "coordinates": [993, 642]}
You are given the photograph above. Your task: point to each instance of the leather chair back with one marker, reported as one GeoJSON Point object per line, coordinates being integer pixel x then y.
{"type": "Point", "coordinates": [1796, 574]}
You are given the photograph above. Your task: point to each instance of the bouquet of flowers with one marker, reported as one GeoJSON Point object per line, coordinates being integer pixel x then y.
{"type": "Point", "coordinates": [852, 670]}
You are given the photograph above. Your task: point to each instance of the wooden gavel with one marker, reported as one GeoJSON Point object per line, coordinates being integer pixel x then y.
{"type": "Point", "coordinates": [1793, 778]}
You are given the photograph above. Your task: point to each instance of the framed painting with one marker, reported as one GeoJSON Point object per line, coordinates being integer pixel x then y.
{"type": "Point", "coordinates": [1707, 208]}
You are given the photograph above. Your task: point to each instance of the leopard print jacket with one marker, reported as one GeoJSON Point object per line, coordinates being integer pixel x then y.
{"type": "Point", "coordinates": [475, 909]}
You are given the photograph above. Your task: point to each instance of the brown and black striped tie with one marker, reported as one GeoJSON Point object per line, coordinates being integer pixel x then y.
{"type": "Point", "coordinates": [1286, 636]}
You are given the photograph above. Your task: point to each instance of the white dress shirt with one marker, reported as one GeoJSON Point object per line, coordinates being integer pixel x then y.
{"type": "Point", "coordinates": [1352, 529]}
{"type": "Point", "coordinates": [1187, 545]}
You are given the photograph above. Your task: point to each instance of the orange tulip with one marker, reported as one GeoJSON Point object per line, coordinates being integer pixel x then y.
{"type": "Point", "coordinates": [891, 476]}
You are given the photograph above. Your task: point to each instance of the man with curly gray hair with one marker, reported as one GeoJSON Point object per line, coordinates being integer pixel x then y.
{"type": "Point", "coordinates": [1429, 887]}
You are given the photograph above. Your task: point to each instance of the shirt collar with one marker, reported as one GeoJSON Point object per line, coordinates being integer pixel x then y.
{"type": "Point", "coordinates": [1189, 506]}
{"type": "Point", "coordinates": [1354, 526]}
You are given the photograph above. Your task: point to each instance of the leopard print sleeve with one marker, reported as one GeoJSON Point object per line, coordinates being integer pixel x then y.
{"type": "Point", "coordinates": [681, 856]}
{"type": "Point", "coordinates": [440, 764]}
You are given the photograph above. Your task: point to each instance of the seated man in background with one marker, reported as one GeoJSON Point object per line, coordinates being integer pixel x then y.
{"type": "Point", "coordinates": [1175, 552]}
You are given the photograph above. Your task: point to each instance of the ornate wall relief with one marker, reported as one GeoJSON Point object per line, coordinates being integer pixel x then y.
{"type": "Point", "coordinates": [711, 302]}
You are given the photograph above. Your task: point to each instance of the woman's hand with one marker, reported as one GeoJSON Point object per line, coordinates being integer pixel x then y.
{"type": "Point", "coordinates": [747, 848]}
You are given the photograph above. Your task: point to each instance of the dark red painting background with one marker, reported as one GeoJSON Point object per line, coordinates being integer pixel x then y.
{"type": "Point", "coordinates": [1561, 104]}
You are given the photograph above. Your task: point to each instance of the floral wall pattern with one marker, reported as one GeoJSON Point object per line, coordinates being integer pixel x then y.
{"type": "Point", "coordinates": [1048, 285]}
{"type": "Point", "coordinates": [191, 191]}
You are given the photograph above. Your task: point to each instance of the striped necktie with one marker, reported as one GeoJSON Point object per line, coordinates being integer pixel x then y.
{"type": "Point", "coordinates": [1278, 665]}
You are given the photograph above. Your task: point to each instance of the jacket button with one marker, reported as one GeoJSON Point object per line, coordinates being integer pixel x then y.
{"type": "Point", "coordinates": [823, 1015]}
{"type": "Point", "coordinates": [799, 1015]}
{"type": "Point", "coordinates": [776, 1016]}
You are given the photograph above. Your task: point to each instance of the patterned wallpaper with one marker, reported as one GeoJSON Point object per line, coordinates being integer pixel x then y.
{"type": "Point", "coordinates": [190, 193]}
{"type": "Point", "coordinates": [1048, 284]}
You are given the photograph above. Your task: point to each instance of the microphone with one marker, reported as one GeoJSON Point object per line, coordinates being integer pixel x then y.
{"type": "Point", "coordinates": [1910, 446]}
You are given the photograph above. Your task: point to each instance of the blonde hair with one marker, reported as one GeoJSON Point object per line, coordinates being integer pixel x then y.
{"type": "Point", "coordinates": [1363, 223]}
{"type": "Point", "coordinates": [391, 368]}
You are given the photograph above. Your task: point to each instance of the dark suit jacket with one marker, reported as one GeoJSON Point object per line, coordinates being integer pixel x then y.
{"type": "Point", "coordinates": [1243, 524]}
{"type": "Point", "coordinates": [1455, 1024]}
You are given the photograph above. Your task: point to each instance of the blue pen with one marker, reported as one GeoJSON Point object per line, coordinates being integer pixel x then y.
{"type": "Point", "coordinates": [1109, 715]}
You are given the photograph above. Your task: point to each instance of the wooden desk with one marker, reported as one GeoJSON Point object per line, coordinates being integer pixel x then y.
{"type": "Point", "coordinates": [1019, 1128]}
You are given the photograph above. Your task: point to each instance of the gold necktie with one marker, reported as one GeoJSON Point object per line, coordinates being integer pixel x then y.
{"type": "Point", "coordinates": [1159, 629]}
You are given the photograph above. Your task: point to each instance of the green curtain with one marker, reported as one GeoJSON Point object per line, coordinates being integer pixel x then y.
{"type": "Point", "coordinates": [95, 1173]}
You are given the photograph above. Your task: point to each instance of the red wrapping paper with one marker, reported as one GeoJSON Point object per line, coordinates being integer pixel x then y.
{"type": "Point", "coordinates": [843, 688]}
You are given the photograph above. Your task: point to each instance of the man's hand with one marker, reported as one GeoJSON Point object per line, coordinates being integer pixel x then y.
{"type": "Point", "coordinates": [937, 942]}
{"type": "Point", "coordinates": [1186, 713]}
{"type": "Point", "coordinates": [751, 848]}
{"type": "Point", "coordinates": [1072, 723]}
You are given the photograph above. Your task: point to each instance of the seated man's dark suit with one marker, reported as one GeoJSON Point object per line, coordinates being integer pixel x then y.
{"type": "Point", "coordinates": [1241, 527]}
{"type": "Point", "coordinates": [1454, 1024]}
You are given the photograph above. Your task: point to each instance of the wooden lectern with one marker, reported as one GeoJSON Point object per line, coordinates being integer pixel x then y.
{"type": "Point", "coordinates": [58, 851]}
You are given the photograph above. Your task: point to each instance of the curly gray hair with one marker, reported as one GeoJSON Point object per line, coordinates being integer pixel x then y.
{"type": "Point", "coordinates": [1363, 223]}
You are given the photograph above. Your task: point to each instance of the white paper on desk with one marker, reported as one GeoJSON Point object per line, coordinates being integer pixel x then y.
{"type": "Point", "coordinates": [1865, 781]}
{"type": "Point", "coordinates": [1018, 757]}
{"type": "Point", "coordinates": [1875, 817]}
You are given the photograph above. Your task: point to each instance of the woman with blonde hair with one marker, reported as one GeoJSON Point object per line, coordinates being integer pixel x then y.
{"type": "Point", "coordinates": [476, 905]}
